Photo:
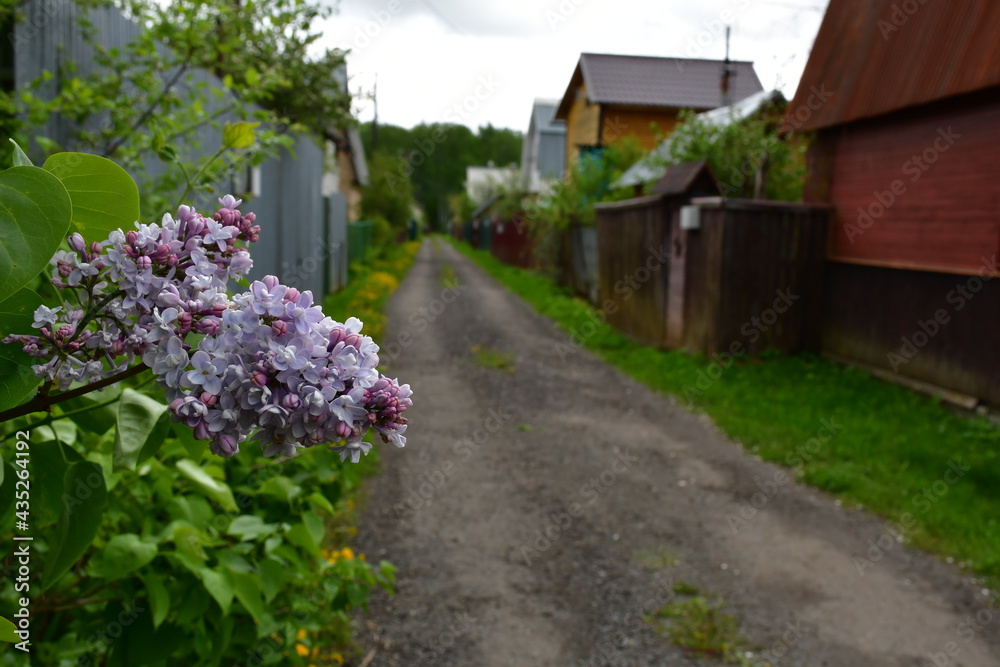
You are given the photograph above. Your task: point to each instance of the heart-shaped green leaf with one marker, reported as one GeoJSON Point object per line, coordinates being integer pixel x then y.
{"type": "Point", "coordinates": [143, 425]}
{"type": "Point", "coordinates": [17, 380]}
{"type": "Point", "coordinates": [104, 196]}
{"type": "Point", "coordinates": [208, 485]}
{"type": "Point", "coordinates": [238, 135]}
{"type": "Point", "coordinates": [126, 553]}
{"type": "Point", "coordinates": [84, 498]}
{"type": "Point", "coordinates": [35, 211]}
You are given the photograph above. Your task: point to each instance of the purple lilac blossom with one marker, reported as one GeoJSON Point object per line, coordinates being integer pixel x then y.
{"type": "Point", "coordinates": [270, 366]}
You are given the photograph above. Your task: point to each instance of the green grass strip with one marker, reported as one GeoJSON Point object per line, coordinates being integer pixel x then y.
{"type": "Point", "coordinates": [898, 453]}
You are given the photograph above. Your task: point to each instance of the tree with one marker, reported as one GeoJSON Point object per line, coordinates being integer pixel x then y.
{"type": "Point", "coordinates": [388, 196]}
{"type": "Point", "coordinates": [435, 156]}
{"type": "Point", "coordinates": [742, 155]}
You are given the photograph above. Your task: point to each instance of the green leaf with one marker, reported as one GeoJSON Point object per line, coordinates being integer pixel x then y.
{"type": "Point", "coordinates": [272, 576]}
{"type": "Point", "coordinates": [319, 501]}
{"type": "Point", "coordinates": [208, 485]}
{"type": "Point", "coordinates": [61, 430]}
{"type": "Point", "coordinates": [250, 527]}
{"type": "Point", "coordinates": [34, 218]}
{"type": "Point", "coordinates": [84, 498]}
{"type": "Point", "coordinates": [220, 586]}
{"type": "Point", "coordinates": [281, 487]}
{"type": "Point", "coordinates": [248, 591]}
{"type": "Point", "coordinates": [104, 196]}
{"type": "Point", "coordinates": [126, 553]}
{"type": "Point", "coordinates": [159, 597]}
{"type": "Point", "coordinates": [143, 425]}
{"type": "Point", "coordinates": [7, 628]}
{"type": "Point", "coordinates": [49, 465]}
{"type": "Point", "coordinates": [238, 135]}
{"type": "Point", "coordinates": [252, 76]}
{"type": "Point", "coordinates": [20, 159]}
{"type": "Point", "coordinates": [17, 381]}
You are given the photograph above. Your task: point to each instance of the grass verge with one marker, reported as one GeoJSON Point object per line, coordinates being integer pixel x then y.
{"type": "Point", "coordinates": [365, 297]}
{"type": "Point", "coordinates": [934, 475]}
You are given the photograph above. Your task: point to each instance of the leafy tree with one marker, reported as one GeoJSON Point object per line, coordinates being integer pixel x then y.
{"type": "Point", "coordinates": [388, 196]}
{"type": "Point", "coordinates": [140, 104]}
{"type": "Point", "coordinates": [743, 153]}
{"type": "Point", "coordinates": [435, 156]}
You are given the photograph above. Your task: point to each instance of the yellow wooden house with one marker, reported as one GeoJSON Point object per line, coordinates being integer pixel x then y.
{"type": "Point", "coordinates": [611, 97]}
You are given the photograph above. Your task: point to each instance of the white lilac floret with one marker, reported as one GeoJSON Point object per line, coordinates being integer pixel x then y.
{"type": "Point", "coordinates": [269, 365]}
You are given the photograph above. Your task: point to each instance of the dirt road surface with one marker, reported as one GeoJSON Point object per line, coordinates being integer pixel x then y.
{"type": "Point", "coordinates": [541, 508]}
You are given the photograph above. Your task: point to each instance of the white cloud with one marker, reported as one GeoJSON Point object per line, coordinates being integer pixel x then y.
{"type": "Point", "coordinates": [431, 55]}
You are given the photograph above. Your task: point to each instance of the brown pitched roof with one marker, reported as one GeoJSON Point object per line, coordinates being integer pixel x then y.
{"type": "Point", "coordinates": [873, 56]}
{"type": "Point", "coordinates": [687, 178]}
{"type": "Point", "coordinates": [677, 83]}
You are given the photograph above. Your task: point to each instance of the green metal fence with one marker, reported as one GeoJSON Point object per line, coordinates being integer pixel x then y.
{"type": "Point", "coordinates": [359, 239]}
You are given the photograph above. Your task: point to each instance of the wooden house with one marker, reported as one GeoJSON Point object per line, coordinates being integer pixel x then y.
{"type": "Point", "coordinates": [610, 97]}
{"type": "Point", "coordinates": [903, 99]}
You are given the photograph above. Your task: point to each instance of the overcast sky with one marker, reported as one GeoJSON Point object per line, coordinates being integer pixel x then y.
{"type": "Point", "coordinates": [486, 61]}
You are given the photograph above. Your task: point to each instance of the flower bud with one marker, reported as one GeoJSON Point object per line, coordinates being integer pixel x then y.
{"type": "Point", "coordinates": [292, 294]}
{"type": "Point", "coordinates": [208, 399]}
{"type": "Point", "coordinates": [280, 328]}
{"type": "Point", "coordinates": [225, 445]}
{"type": "Point", "coordinates": [201, 431]}
{"type": "Point", "coordinates": [131, 237]}
{"type": "Point", "coordinates": [77, 243]}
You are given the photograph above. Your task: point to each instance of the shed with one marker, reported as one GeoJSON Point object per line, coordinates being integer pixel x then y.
{"type": "Point", "coordinates": [904, 101]}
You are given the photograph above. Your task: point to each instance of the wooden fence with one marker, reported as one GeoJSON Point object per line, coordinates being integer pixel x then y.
{"type": "Point", "coordinates": [744, 276]}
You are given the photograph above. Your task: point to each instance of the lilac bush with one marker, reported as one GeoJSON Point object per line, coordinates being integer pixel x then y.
{"type": "Point", "coordinates": [264, 364]}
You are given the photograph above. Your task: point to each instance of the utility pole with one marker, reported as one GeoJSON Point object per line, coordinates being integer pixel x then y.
{"type": "Point", "coordinates": [375, 121]}
{"type": "Point", "coordinates": [726, 73]}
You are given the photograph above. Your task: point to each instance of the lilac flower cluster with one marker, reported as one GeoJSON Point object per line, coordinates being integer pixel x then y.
{"type": "Point", "coordinates": [268, 365]}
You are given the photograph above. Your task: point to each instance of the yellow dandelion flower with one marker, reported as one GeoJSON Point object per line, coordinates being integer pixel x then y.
{"type": "Point", "coordinates": [302, 650]}
{"type": "Point", "coordinates": [347, 553]}
{"type": "Point", "coordinates": [302, 634]}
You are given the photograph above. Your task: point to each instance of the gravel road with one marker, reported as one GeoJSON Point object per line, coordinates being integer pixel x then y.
{"type": "Point", "coordinates": [545, 502]}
